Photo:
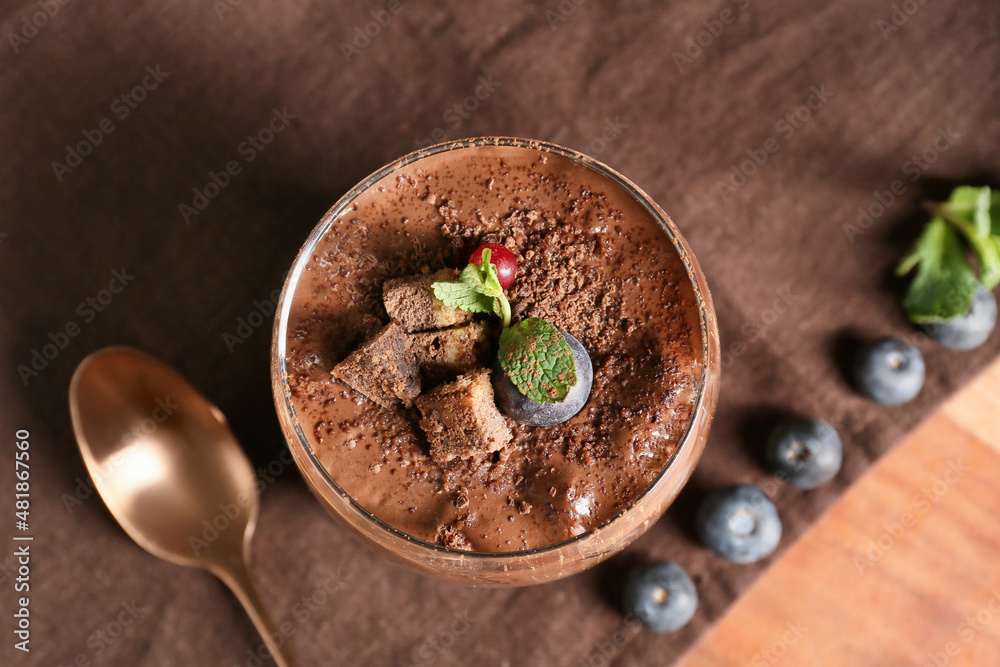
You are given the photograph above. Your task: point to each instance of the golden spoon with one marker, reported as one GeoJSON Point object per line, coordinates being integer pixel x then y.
{"type": "Point", "coordinates": [171, 472]}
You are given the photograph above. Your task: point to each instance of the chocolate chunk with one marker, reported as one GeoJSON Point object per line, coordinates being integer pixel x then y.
{"type": "Point", "coordinates": [384, 369]}
{"type": "Point", "coordinates": [444, 354]}
{"type": "Point", "coordinates": [411, 302]}
{"type": "Point", "coordinates": [461, 420]}
{"type": "Point", "coordinates": [449, 535]}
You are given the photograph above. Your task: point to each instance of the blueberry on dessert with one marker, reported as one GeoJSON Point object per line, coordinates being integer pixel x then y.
{"type": "Point", "coordinates": [542, 375]}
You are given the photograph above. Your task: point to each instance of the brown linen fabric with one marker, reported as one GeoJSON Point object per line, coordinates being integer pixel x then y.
{"type": "Point", "coordinates": [674, 95]}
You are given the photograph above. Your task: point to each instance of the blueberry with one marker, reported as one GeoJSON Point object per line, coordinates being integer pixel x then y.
{"type": "Point", "coordinates": [522, 409]}
{"type": "Point", "coordinates": [661, 596]}
{"type": "Point", "coordinates": [804, 452]}
{"type": "Point", "coordinates": [970, 330]}
{"type": "Point", "coordinates": [889, 371]}
{"type": "Point", "coordinates": [739, 523]}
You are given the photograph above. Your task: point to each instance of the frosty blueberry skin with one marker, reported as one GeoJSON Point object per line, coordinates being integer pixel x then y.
{"type": "Point", "coordinates": [661, 596]}
{"type": "Point", "coordinates": [968, 331]}
{"type": "Point", "coordinates": [739, 523]}
{"type": "Point", "coordinates": [889, 371]}
{"type": "Point", "coordinates": [804, 452]}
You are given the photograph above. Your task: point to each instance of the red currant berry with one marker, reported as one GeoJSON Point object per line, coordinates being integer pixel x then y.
{"type": "Point", "coordinates": [504, 260]}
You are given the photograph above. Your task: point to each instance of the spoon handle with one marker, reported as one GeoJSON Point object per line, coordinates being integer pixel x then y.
{"type": "Point", "coordinates": [237, 578]}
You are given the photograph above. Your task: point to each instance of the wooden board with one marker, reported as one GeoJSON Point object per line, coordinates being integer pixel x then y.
{"type": "Point", "coordinates": [904, 570]}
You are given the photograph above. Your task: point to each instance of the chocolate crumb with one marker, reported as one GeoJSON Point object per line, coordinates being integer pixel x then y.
{"type": "Point", "coordinates": [449, 535]}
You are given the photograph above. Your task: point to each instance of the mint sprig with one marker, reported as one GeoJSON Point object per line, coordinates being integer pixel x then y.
{"type": "Point", "coordinates": [533, 353]}
{"type": "Point", "coordinates": [539, 361]}
{"type": "Point", "coordinates": [464, 297]}
{"type": "Point", "coordinates": [945, 282]}
{"type": "Point", "coordinates": [477, 290]}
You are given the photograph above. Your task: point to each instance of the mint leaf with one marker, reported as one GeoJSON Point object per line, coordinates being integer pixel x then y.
{"type": "Point", "coordinates": [477, 290]}
{"type": "Point", "coordinates": [945, 284]}
{"type": "Point", "coordinates": [968, 210]}
{"type": "Point", "coordinates": [988, 253]}
{"type": "Point", "coordinates": [483, 276]}
{"type": "Point", "coordinates": [995, 213]}
{"type": "Point", "coordinates": [536, 357]}
{"type": "Point", "coordinates": [463, 296]}
{"type": "Point", "coordinates": [973, 204]}
{"type": "Point", "coordinates": [981, 216]}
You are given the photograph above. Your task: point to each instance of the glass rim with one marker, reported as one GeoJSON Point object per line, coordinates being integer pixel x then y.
{"type": "Point", "coordinates": [280, 374]}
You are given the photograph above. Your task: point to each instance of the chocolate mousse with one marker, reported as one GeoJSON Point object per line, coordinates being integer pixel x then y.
{"type": "Point", "coordinates": [392, 387]}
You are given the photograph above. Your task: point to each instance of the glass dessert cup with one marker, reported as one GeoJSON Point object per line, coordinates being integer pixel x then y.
{"type": "Point", "coordinates": [514, 568]}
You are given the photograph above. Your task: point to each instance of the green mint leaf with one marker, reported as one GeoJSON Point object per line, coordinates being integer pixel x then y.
{"type": "Point", "coordinates": [536, 357]}
{"type": "Point", "coordinates": [968, 211]}
{"type": "Point", "coordinates": [477, 290]}
{"type": "Point", "coordinates": [972, 204]}
{"type": "Point", "coordinates": [498, 308]}
{"type": "Point", "coordinates": [982, 215]}
{"type": "Point", "coordinates": [995, 213]}
{"type": "Point", "coordinates": [483, 276]}
{"type": "Point", "coordinates": [987, 250]}
{"type": "Point", "coordinates": [945, 284]}
{"type": "Point", "coordinates": [463, 296]}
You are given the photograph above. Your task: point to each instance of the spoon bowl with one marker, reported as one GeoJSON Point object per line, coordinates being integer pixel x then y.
{"type": "Point", "coordinates": [166, 464]}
